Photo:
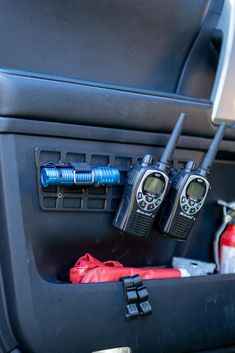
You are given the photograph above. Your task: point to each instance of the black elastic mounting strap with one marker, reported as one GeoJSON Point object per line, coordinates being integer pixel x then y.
{"type": "Point", "coordinates": [80, 167]}
{"type": "Point", "coordinates": [58, 164]}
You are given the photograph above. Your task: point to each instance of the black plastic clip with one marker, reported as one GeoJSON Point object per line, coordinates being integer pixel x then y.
{"type": "Point", "coordinates": [145, 308]}
{"type": "Point", "coordinates": [143, 295]}
{"type": "Point", "coordinates": [137, 281]}
{"type": "Point", "coordinates": [144, 305]}
{"type": "Point", "coordinates": [136, 297]}
{"type": "Point", "coordinates": [131, 298]}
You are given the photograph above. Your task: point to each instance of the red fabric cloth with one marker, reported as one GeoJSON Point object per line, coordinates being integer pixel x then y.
{"type": "Point", "coordinates": [88, 270]}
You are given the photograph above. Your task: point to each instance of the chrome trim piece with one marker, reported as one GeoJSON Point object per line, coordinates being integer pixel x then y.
{"type": "Point", "coordinates": [115, 350]}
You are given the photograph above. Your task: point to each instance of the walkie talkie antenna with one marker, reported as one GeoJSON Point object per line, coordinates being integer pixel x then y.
{"type": "Point", "coordinates": [210, 156]}
{"type": "Point", "coordinates": [170, 147]}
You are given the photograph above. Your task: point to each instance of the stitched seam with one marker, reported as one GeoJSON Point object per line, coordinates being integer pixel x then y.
{"type": "Point", "coordinates": [2, 74]}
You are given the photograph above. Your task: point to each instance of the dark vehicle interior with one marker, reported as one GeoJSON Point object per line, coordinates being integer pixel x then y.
{"type": "Point", "coordinates": [103, 82]}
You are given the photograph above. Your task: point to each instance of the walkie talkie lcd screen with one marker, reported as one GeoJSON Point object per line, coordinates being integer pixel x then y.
{"type": "Point", "coordinates": [196, 190]}
{"type": "Point", "coordinates": [153, 186]}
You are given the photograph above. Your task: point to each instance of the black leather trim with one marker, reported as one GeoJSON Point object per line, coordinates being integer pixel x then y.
{"type": "Point", "coordinates": [51, 99]}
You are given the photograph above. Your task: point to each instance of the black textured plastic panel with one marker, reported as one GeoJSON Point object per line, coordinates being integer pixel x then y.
{"type": "Point", "coordinates": [77, 198]}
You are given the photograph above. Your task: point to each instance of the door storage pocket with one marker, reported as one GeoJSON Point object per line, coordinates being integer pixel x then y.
{"type": "Point", "coordinates": [45, 231]}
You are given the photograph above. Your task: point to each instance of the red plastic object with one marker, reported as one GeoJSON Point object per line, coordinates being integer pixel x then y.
{"type": "Point", "coordinates": [227, 250]}
{"type": "Point", "coordinates": [88, 270]}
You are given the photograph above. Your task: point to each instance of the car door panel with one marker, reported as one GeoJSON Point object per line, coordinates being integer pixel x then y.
{"type": "Point", "coordinates": [103, 82]}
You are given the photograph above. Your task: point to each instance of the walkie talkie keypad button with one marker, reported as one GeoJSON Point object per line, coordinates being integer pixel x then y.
{"type": "Point", "coordinates": [191, 202]}
{"type": "Point", "coordinates": [150, 207]}
{"type": "Point", "coordinates": [183, 199]}
{"type": "Point", "coordinates": [185, 208]}
{"type": "Point", "coordinates": [142, 204]}
{"type": "Point", "coordinates": [199, 205]}
{"type": "Point", "coordinates": [149, 198]}
{"type": "Point", "coordinates": [157, 202]}
{"type": "Point", "coordinates": [139, 195]}
{"type": "Point", "coordinates": [192, 210]}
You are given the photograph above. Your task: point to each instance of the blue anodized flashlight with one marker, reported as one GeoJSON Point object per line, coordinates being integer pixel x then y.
{"type": "Point", "coordinates": [96, 176]}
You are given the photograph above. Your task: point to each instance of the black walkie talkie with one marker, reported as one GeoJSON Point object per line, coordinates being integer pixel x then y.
{"type": "Point", "coordinates": [187, 194]}
{"type": "Point", "coordinates": [145, 188]}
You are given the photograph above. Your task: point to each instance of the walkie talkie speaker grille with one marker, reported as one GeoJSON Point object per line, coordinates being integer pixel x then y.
{"type": "Point", "coordinates": [181, 227]}
{"type": "Point", "coordinates": [138, 225]}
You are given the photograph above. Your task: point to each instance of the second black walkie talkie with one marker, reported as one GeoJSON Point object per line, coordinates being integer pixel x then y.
{"type": "Point", "coordinates": [187, 194]}
{"type": "Point", "coordinates": [145, 188]}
